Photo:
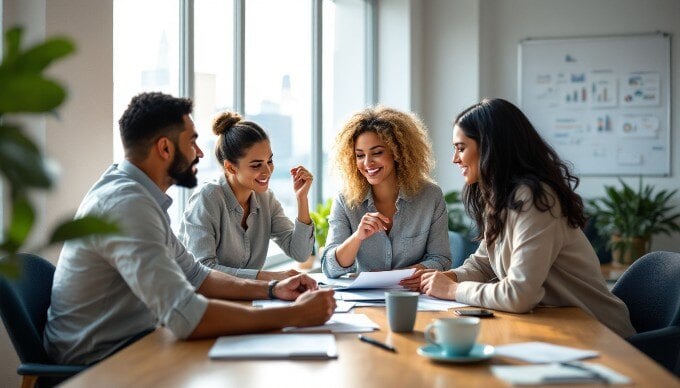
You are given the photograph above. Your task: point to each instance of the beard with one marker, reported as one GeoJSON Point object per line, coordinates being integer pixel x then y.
{"type": "Point", "coordinates": [181, 170]}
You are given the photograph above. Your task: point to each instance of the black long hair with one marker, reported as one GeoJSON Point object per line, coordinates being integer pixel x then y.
{"type": "Point", "coordinates": [512, 154]}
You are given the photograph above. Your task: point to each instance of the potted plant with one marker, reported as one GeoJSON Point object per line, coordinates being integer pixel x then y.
{"type": "Point", "coordinates": [25, 89]}
{"type": "Point", "coordinates": [460, 230]}
{"type": "Point", "coordinates": [630, 218]}
{"type": "Point", "coordinates": [320, 218]}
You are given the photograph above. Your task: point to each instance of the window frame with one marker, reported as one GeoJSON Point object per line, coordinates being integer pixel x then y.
{"type": "Point", "coordinates": [186, 82]}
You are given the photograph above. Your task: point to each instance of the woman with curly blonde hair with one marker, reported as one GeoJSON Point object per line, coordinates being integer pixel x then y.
{"type": "Point", "coordinates": [390, 214]}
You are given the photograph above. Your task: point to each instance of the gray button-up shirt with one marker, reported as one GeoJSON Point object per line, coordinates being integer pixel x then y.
{"type": "Point", "coordinates": [212, 230]}
{"type": "Point", "coordinates": [107, 289]}
{"type": "Point", "coordinates": [419, 234]}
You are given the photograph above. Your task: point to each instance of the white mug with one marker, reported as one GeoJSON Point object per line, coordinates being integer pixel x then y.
{"type": "Point", "coordinates": [455, 336]}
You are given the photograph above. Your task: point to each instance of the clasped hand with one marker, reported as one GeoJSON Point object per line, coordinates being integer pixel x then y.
{"type": "Point", "coordinates": [432, 283]}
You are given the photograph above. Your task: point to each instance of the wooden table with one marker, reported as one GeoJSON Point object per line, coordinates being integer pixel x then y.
{"type": "Point", "coordinates": [159, 360]}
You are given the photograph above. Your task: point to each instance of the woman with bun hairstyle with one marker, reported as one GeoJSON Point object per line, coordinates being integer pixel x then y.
{"type": "Point", "coordinates": [229, 221]}
{"type": "Point", "coordinates": [390, 214]}
{"type": "Point", "coordinates": [521, 197]}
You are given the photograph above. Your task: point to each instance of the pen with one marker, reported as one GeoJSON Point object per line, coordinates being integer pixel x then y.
{"type": "Point", "coordinates": [592, 374]}
{"type": "Point", "coordinates": [377, 343]}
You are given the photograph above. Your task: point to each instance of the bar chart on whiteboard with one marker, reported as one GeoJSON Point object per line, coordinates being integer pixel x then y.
{"type": "Point", "coordinates": [603, 103]}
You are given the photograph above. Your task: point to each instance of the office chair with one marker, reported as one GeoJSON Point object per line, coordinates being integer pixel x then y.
{"type": "Point", "coordinates": [23, 307]}
{"type": "Point", "coordinates": [650, 288]}
{"type": "Point", "coordinates": [461, 248]}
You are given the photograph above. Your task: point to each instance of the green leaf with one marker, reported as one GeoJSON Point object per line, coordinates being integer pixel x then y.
{"type": "Point", "coordinates": [10, 266]}
{"type": "Point", "coordinates": [21, 161]}
{"type": "Point", "coordinates": [452, 197]}
{"type": "Point", "coordinates": [38, 57]}
{"type": "Point", "coordinates": [20, 224]}
{"type": "Point", "coordinates": [83, 227]}
{"type": "Point", "coordinates": [12, 43]}
{"type": "Point", "coordinates": [29, 93]}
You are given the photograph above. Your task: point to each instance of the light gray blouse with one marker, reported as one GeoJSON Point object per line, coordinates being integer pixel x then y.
{"type": "Point", "coordinates": [419, 234]}
{"type": "Point", "coordinates": [212, 230]}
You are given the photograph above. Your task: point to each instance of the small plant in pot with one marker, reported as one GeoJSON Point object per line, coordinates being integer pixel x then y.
{"type": "Point", "coordinates": [320, 217]}
{"type": "Point", "coordinates": [630, 218]}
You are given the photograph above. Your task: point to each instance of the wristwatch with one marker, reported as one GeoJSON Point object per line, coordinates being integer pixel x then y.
{"type": "Point", "coordinates": [270, 289]}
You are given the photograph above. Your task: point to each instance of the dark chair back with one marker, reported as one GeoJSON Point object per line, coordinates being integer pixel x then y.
{"type": "Point", "coordinates": [650, 288]}
{"type": "Point", "coordinates": [23, 307]}
{"type": "Point", "coordinates": [461, 248]}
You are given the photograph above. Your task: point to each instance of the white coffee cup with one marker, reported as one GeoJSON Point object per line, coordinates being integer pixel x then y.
{"type": "Point", "coordinates": [455, 336]}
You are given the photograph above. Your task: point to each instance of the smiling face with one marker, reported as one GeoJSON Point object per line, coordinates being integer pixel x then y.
{"type": "Point", "coordinates": [254, 169]}
{"type": "Point", "coordinates": [466, 155]}
{"type": "Point", "coordinates": [374, 159]}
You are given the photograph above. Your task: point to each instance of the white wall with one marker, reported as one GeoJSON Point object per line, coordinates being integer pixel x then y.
{"type": "Point", "coordinates": [450, 74]}
{"type": "Point", "coordinates": [501, 25]}
{"type": "Point", "coordinates": [80, 139]}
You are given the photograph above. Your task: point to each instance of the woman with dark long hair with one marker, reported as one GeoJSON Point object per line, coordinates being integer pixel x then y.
{"type": "Point", "coordinates": [520, 195]}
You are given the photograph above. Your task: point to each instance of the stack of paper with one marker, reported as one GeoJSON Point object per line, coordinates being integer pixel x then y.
{"type": "Point", "coordinates": [542, 352]}
{"type": "Point", "coordinates": [340, 305]}
{"type": "Point", "coordinates": [340, 323]}
{"type": "Point", "coordinates": [558, 374]}
{"type": "Point", "coordinates": [275, 346]}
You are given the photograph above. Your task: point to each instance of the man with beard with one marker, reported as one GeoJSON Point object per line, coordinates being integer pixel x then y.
{"type": "Point", "coordinates": [110, 290]}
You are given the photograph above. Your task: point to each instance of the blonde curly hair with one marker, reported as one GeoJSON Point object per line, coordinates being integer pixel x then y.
{"type": "Point", "coordinates": [404, 134]}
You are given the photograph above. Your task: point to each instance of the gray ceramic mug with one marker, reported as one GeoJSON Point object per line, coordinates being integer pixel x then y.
{"type": "Point", "coordinates": [402, 307]}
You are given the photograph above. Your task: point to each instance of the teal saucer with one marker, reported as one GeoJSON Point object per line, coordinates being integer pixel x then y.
{"type": "Point", "coordinates": [479, 352]}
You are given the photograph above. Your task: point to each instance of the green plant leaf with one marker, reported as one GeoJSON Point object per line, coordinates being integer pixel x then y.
{"type": "Point", "coordinates": [10, 266]}
{"type": "Point", "coordinates": [38, 57]}
{"type": "Point", "coordinates": [29, 93]}
{"type": "Point", "coordinates": [83, 227]}
{"type": "Point", "coordinates": [452, 197]}
{"type": "Point", "coordinates": [20, 224]}
{"type": "Point", "coordinates": [12, 43]}
{"type": "Point", "coordinates": [21, 161]}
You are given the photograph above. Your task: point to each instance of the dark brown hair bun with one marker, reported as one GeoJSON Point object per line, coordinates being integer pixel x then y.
{"type": "Point", "coordinates": [225, 121]}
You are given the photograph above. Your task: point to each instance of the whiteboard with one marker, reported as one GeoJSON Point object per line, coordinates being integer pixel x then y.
{"type": "Point", "coordinates": [602, 103]}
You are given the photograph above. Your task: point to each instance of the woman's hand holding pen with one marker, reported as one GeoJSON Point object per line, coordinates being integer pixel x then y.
{"type": "Point", "coordinates": [370, 224]}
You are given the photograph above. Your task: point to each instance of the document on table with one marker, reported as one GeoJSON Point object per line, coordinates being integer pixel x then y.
{"type": "Point", "coordinates": [341, 306]}
{"type": "Point", "coordinates": [340, 323]}
{"type": "Point", "coordinates": [380, 279]}
{"type": "Point", "coordinates": [558, 374]}
{"type": "Point", "coordinates": [428, 303]}
{"type": "Point", "coordinates": [275, 346]}
{"type": "Point", "coordinates": [371, 298]}
{"type": "Point", "coordinates": [543, 352]}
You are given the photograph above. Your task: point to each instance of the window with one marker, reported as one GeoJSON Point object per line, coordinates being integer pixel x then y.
{"type": "Point", "coordinates": [298, 68]}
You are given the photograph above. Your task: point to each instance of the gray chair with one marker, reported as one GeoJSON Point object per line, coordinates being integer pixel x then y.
{"type": "Point", "coordinates": [461, 248]}
{"type": "Point", "coordinates": [23, 307]}
{"type": "Point", "coordinates": [650, 288]}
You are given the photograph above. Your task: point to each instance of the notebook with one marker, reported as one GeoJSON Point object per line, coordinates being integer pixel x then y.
{"type": "Point", "coordinates": [275, 346]}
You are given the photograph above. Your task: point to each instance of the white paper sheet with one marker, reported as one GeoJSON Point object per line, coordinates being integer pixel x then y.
{"type": "Point", "coordinates": [341, 306]}
{"type": "Point", "coordinates": [557, 374]}
{"type": "Point", "coordinates": [340, 323]}
{"type": "Point", "coordinates": [543, 352]}
{"type": "Point", "coordinates": [380, 279]}
{"type": "Point", "coordinates": [275, 346]}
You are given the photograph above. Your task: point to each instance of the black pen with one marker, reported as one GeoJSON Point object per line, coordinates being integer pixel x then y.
{"type": "Point", "coordinates": [377, 343]}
